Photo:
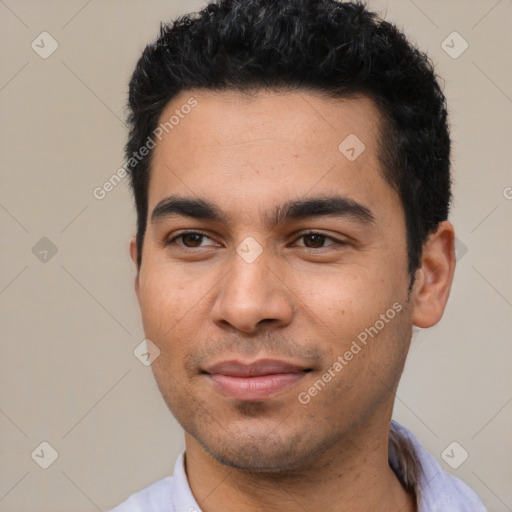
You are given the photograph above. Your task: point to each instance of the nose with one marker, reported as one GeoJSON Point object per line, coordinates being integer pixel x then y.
{"type": "Point", "coordinates": [252, 294]}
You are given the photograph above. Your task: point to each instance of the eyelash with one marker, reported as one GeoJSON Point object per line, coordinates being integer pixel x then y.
{"type": "Point", "coordinates": [201, 233]}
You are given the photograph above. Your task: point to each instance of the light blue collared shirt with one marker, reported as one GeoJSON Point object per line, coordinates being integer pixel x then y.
{"type": "Point", "coordinates": [438, 490]}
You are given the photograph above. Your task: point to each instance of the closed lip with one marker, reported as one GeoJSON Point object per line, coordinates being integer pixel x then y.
{"type": "Point", "coordinates": [256, 380]}
{"type": "Point", "coordinates": [237, 368]}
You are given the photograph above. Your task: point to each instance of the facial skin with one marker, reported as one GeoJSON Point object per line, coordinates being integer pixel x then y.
{"type": "Point", "coordinates": [303, 300]}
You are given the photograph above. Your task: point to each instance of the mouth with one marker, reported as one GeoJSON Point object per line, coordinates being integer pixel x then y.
{"type": "Point", "coordinates": [254, 381]}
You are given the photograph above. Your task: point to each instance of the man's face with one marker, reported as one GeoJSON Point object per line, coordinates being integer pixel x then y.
{"type": "Point", "coordinates": [255, 287]}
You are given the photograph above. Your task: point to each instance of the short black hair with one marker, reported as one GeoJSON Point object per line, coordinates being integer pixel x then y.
{"type": "Point", "coordinates": [337, 49]}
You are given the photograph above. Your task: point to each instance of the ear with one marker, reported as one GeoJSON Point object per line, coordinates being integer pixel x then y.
{"type": "Point", "coordinates": [434, 276]}
{"type": "Point", "coordinates": [134, 255]}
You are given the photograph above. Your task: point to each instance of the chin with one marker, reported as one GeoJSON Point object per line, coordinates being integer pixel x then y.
{"type": "Point", "coordinates": [265, 452]}
{"type": "Point", "coordinates": [253, 459]}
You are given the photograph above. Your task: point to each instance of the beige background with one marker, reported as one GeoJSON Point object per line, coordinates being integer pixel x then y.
{"type": "Point", "coordinates": [70, 324]}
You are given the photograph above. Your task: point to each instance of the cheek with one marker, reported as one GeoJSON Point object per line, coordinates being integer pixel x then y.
{"type": "Point", "coordinates": [163, 309]}
{"type": "Point", "coordinates": [164, 294]}
{"type": "Point", "coordinates": [174, 312]}
{"type": "Point", "coordinates": [347, 301]}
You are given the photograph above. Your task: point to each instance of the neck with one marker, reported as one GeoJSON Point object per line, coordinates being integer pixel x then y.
{"type": "Point", "coordinates": [352, 475]}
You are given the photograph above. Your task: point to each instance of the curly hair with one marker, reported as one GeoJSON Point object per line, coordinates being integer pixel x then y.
{"type": "Point", "coordinates": [333, 48]}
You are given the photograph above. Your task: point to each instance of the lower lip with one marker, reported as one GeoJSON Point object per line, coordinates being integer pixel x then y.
{"type": "Point", "coordinates": [255, 388]}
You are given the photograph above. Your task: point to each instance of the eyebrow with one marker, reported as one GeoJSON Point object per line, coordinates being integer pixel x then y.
{"type": "Point", "coordinates": [202, 209]}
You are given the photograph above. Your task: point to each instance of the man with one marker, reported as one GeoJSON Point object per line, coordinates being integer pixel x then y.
{"type": "Point", "coordinates": [289, 161]}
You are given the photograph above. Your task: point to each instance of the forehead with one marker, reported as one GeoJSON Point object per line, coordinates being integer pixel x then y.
{"type": "Point", "coordinates": [300, 118]}
{"type": "Point", "coordinates": [233, 146]}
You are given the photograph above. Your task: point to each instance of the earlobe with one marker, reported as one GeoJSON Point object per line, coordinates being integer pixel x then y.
{"type": "Point", "coordinates": [434, 277]}
{"type": "Point", "coordinates": [134, 255]}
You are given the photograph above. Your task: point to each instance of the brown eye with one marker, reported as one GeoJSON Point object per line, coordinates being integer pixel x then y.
{"type": "Point", "coordinates": [194, 239]}
{"type": "Point", "coordinates": [317, 240]}
{"type": "Point", "coordinates": [189, 239]}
